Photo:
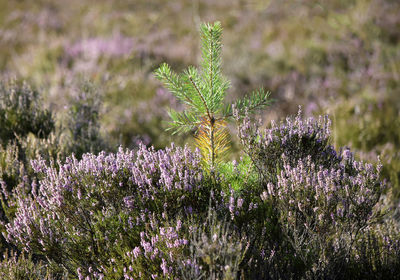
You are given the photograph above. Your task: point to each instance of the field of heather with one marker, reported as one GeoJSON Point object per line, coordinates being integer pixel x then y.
{"type": "Point", "coordinates": [240, 139]}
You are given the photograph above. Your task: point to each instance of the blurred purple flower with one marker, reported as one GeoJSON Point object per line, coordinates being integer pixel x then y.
{"type": "Point", "coordinates": [93, 48]}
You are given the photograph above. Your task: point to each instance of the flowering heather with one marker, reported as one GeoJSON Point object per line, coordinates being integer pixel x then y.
{"type": "Point", "coordinates": [87, 211]}
{"type": "Point", "coordinates": [145, 214]}
{"type": "Point", "coordinates": [295, 137]}
{"type": "Point", "coordinates": [21, 112]}
{"type": "Point", "coordinates": [314, 206]}
{"type": "Point", "coordinates": [14, 267]}
{"type": "Point", "coordinates": [322, 211]}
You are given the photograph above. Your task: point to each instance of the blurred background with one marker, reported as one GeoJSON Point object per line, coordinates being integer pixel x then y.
{"type": "Point", "coordinates": [336, 57]}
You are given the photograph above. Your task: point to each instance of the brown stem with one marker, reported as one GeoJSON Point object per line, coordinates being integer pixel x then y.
{"type": "Point", "coordinates": [211, 70]}
{"type": "Point", "coordinates": [212, 144]}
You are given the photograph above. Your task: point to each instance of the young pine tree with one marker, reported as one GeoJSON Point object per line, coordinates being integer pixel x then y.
{"type": "Point", "coordinates": [203, 92]}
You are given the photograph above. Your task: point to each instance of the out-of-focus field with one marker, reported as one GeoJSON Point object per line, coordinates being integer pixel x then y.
{"type": "Point", "coordinates": [339, 57]}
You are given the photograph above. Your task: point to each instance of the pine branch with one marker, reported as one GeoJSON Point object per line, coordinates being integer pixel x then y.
{"type": "Point", "coordinates": [256, 101]}
{"type": "Point", "coordinates": [174, 83]}
{"type": "Point", "coordinates": [196, 87]}
{"type": "Point", "coordinates": [218, 99]}
{"type": "Point", "coordinates": [182, 122]}
{"type": "Point", "coordinates": [201, 97]}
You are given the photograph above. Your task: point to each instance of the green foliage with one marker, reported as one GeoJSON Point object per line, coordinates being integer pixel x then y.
{"type": "Point", "coordinates": [256, 100]}
{"type": "Point", "coordinates": [203, 92]}
{"type": "Point", "coordinates": [239, 174]}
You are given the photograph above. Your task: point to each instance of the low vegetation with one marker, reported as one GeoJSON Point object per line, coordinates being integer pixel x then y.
{"type": "Point", "coordinates": [293, 206]}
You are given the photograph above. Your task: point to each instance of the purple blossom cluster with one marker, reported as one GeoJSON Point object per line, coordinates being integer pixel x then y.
{"type": "Point", "coordinates": [322, 208]}
{"type": "Point", "coordinates": [87, 209]}
{"type": "Point", "coordinates": [313, 203]}
{"type": "Point", "coordinates": [295, 137]}
{"type": "Point", "coordinates": [154, 257]}
{"type": "Point", "coordinates": [292, 208]}
{"type": "Point", "coordinates": [163, 245]}
{"type": "Point", "coordinates": [285, 131]}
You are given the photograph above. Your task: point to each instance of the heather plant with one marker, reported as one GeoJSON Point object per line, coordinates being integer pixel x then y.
{"type": "Point", "coordinates": [295, 137]}
{"type": "Point", "coordinates": [82, 123]}
{"type": "Point", "coordinates": [16, 174]}
{"type": "Point", "coordinates": [215, 250]}
{"type": "Point", "coordinates": [21, 113]}
{"type": "Point", "coordinates": [203, 92]}
{"type": "Point", "coordinates": [30, 131]}
{"type": "Point", "coordinates": [12, 170]}
{"type": "Point", "coordinates": [322, 211]}
{"type": "Point", "coordinates": [22, 117]}
{"type": "Point", "coordinates": [111, 207]}
{"type": "Point", "coordinates": [157, 214]}
{"type": "Point", "coordinates": [13, 267]}
{"type": "Point", "coordinates": [26, 122]}
{"type": "Point", "coordinates": [317, 206]}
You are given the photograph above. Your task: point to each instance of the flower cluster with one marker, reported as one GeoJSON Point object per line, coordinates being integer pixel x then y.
{"type": "Point", "coordinates": [80, 214]}
{"type": "Point", "coordinates": [323, 210]}
{"type": "Point", "coordinates": [314, 204]}
{"type": "Point", "coordinates": [295, 137]}
{"type": "Point", "coordinates": [292, 208]}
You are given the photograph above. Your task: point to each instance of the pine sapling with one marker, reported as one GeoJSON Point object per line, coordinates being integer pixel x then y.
{"type": "Point", "coordinates": [203, 92]}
